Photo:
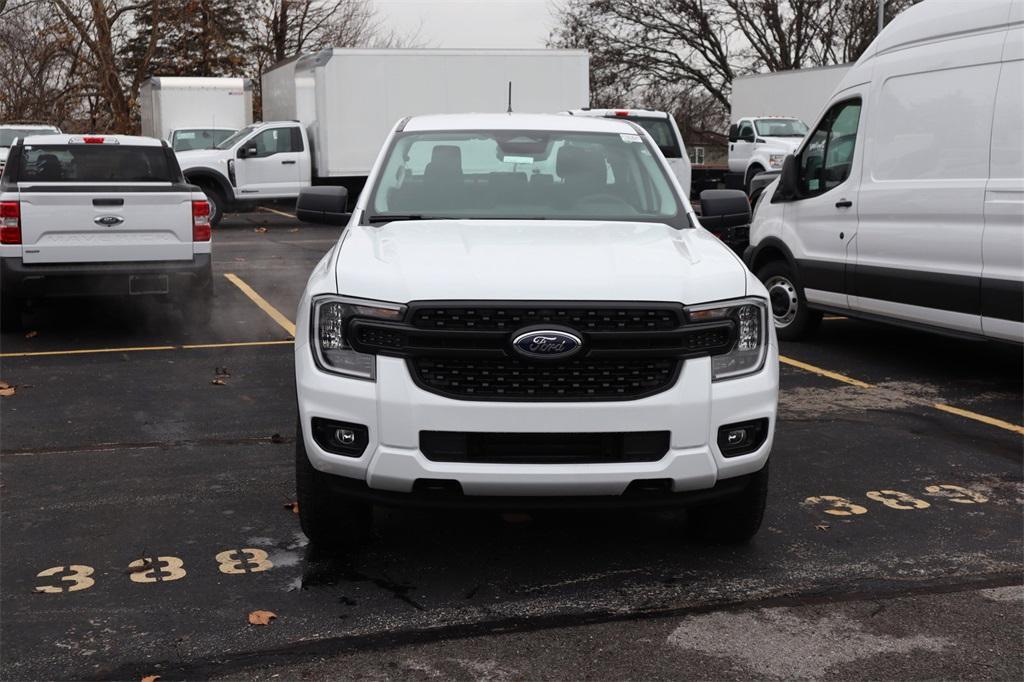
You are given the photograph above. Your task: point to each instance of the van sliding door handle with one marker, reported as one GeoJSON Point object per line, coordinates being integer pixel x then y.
{"type": "Point", "coordinates": [844, 203]}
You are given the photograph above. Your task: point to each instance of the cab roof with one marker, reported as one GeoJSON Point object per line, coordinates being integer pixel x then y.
{"type": "Point", "coordinates": [612, 113]}
{"type": "Point", "coordinates": [541, 122]}
{"type": "Point", "coordinates": [131, 140]}
{"type": "Point", "coordinates": [28, 126]}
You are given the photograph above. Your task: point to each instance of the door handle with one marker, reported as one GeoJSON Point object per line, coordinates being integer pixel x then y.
{"type": "Point", "coordinates": [288, 163]}
{"type": "Point", "coordinates": [844, 203]}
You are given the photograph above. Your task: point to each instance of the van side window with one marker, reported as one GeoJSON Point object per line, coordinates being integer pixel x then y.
{"type": "Point", "coordinates": [827, 157]}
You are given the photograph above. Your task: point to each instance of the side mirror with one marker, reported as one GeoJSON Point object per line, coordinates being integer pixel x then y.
{"type": "Point", "coordinates": [246, 152]}
{"type": "Point", "coordinates": [733, 132]}
{"type": "Point", "coordinates": [725, 213]}
{"type": "Point", "coordinates": [789, 182]}
{"type": "Point", "coordinates": [327, 205]}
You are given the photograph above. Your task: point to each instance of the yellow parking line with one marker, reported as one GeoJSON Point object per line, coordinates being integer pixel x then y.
{"type": "Point", "coordinates": [991, 421]}
{"type": "Point", "coordinates": [274, 210]}
{"type": "Point", "coordinates": [236, 344]}
{"type": "Point", "coordinates": [834, 317]}
{"type": "Point", "coordinates": [824, 372]}
{"type": "Point", "coordinates": [263, 304]}
{"type": "Point", "coordinates": [85, 351]}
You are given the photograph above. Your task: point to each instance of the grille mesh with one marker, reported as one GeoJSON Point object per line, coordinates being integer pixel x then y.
{"type": "Point", "coordinates": [512, 379]}
{"type": "Point", "coordinates": [582, 318]}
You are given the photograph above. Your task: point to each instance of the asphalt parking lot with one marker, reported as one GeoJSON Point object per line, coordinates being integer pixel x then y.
{"type": "Point", "coordinates": [146, 484]}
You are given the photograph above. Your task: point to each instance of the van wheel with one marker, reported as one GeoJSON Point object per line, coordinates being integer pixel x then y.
{"type": "Point", "coordinates": [327, 519]}
{"type": "Point", "coordinates": [794, 320]}
{"type": "Point", "coordinates": [733, 520]}
{"type": "Point", "coordinates": [751, 172]}
{"type": "Point", "coordinates": [10, 313]}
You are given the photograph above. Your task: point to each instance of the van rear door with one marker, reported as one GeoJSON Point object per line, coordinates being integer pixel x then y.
{"type": "Point", "coordinates": [90, 202]}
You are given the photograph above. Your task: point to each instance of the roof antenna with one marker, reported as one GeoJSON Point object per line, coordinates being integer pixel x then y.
{"type": "Point", "coordinates": [509, 98]}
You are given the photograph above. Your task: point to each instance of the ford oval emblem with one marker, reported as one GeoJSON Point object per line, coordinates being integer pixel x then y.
{"type": "Point", "coordinates": [547, 343]}
{"type": "Point", "coordinates": [108, 220]}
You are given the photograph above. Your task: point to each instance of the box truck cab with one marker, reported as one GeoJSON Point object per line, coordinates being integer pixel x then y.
{"type": "Point", "coordinates": [761, 144]}
{"type": "Point", "coordinates": [905, 203]}
{"type": "Point", "coordinates": [662, 127]}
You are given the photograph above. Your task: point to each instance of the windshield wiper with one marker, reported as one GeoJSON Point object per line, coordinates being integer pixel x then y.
{"type": "Point", "coordinates": [391, 217]}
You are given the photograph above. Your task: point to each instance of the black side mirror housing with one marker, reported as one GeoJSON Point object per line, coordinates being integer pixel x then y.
{"type": "Point", "coordinates": [327, 205]}
{"type": "Point", "coordinates": [246, 152]}
{"type": "Point", "coordinates": [789, 180]}
{"type": "Point", "coordinates": [733, 132]}
{"type": "Point", "coordinates": [725, 213]}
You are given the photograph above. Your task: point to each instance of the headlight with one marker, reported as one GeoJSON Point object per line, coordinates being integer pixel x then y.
{"type": "Point", "coordinates": [329, 317]}
{"type": "Point", "coordinates": [748, 351]}
{"type": "Point", "coordinates": [776, 160]}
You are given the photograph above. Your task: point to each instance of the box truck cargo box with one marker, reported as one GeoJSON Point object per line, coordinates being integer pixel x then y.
{"type": "Point", "coordinates": [194, 113]}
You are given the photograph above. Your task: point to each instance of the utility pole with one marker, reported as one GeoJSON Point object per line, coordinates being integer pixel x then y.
{"type": "Point", "coordinates": [881, 16]}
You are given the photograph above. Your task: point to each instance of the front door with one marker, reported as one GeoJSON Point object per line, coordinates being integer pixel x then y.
{"type": "Point", "coordinates": [274, 169]}
{"type": "Point", "coordinates": [821, 224]}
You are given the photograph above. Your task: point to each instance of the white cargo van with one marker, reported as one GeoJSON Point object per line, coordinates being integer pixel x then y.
{"type": "Point", "coordinates": [906, 201]}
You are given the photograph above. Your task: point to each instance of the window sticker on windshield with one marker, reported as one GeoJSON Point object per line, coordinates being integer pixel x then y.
{"type": "Point", "coordinates": [517, 159]}
{"type": "Point", "coordinates": [629, 137]}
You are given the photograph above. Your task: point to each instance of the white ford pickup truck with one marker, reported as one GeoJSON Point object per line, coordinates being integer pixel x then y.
{"type": "Point", "coordinates": [761, 144]}
{"type": "Point", "coordinates": [100, 214]}
{"type": "Point", "coordinates": [523, 311]}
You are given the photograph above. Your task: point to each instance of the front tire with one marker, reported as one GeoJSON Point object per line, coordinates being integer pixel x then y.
{"type": "Point", "coordinates": [734, 520]}
{"type": "Point", "coordinates": [217, 205]}
{"type": "Point", "coordinates": [749, 178]}
{"type": "Point", "coordinates": [794, 320]}
{"type": "Point", "coordinates": [326, 518]}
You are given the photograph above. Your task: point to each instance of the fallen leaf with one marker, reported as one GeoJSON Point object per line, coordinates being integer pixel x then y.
{"type": "Point", "coordinates": [32, 334]}
{"type": "Point", "coordinates": [142, 567]}
{"type": "Point", "coordinates": [823, 526]}
{"type": "Point", "coordinates": [277, 438]}
{"type": "Point", "coordinates": [150, 678]}
{"type": "Point", "coordinates": [220, 376]}
{"type": "Point", "coordinates": [6, 389]}
{"type": "Point", "coordinates": [294, 229]}
{"type": "Point", "coordinates": [261, 617]}
{"type": "Point", "coordinates": [294, 506]}
{"type": "Point", "coordinates": [218, 382]}
{"type": "Point", "coordinates": [260, 230]}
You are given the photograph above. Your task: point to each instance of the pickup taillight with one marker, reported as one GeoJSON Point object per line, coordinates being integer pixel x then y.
{"type": "Point", "coordinates": [200, 221]}
{"type": "Point", "coordinates": [10, 222]}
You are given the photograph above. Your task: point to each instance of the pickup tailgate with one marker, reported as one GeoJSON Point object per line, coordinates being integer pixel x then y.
{"type": "Point", "coordinates": [137, 223]}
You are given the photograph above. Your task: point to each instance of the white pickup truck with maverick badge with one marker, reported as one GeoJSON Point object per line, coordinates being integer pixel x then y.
{"type": "Point", "coordinates": [101, 214]}
{"type": "Point", "coordinates": [523, 311]}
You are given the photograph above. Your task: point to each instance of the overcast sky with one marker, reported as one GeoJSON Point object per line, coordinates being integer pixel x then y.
{"type": "Point", "coordinates": [471, 23]}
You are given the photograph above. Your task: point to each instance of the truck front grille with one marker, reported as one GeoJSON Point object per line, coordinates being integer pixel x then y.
{"type": "Point", "coordinates": [514, 379]}
{"type": "Point", "coordinates": [507, 318]}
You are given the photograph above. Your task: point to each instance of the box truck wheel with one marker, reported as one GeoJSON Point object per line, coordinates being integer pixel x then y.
{"type": "Point", "coordinates": [793, 319]}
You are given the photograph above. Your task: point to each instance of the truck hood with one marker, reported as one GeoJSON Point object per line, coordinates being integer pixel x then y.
{"type": "Point", "coordinates": [202, 158]}
{"type": "Point", "coordinates": [536, 260]}
{"type": "Point", "coordinates": [785, 145]}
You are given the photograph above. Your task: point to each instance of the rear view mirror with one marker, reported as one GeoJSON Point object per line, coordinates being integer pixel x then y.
{"type": "Point", "coordinates": [325, 205]}
{"type": "Point", "coordinates": [789, 182]}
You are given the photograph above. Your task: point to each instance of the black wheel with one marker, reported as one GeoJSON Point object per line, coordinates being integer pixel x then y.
{"type": "Point", "coordinates": [217, 204]}
{"type": "Point", "coordinates": [751, 172]}
{"type": "Point", "coordinates": [10, 313]}
{"type": "Point", "coordinates": [327, 519]}
{"type": "Point", "coordinates": [736, 519]}
{"type": "Point", "coordinates": [794, 320]}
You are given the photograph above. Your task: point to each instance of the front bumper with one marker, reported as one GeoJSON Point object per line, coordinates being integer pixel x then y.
{"type": "Point", "coordinates": [394, 410]}
{"type": "Point", "coordinates": [96, 279]}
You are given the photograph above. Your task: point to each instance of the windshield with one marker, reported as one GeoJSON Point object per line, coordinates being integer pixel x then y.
{"type": "Point", "coordinates": [523, 175]}
{"type": "Point", "coordinates": [198, 138]}
{"type": "Point", "coordinates": [661, 131]}
{"type": "Point", "coordinates": [93, 163]}
{"type": "Point", "coordinates": [780, 127]}
{"type": "Point", "coordinates": [7, 135]}
{"type": "Point", "coordinates": [231, 141]}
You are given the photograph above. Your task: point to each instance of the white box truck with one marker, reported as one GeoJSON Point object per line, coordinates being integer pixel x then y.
{"type": "Point", "coordinates": [328, 113]}
{"type": "Point", "coordinates": [194, 112]}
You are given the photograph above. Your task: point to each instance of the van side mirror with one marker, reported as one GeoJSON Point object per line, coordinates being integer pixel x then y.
{"type": "Point", "coordinates": [725, 213]}
{"type": "Point", "coordinates": [327, 205]}
{"type": "Point", "coordinates": [733, 132]}
{"type": "Point", "coordinates": [789, 181]}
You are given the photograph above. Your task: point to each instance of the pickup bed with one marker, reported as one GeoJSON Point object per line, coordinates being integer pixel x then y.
{"type": "Point", "coordinates": [100, 215]}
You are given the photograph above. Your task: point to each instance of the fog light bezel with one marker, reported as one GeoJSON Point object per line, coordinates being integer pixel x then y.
{"type": "Point", "coordinates": [324, 435]}
{"type": "Point", "coordinates": [757, 430]}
